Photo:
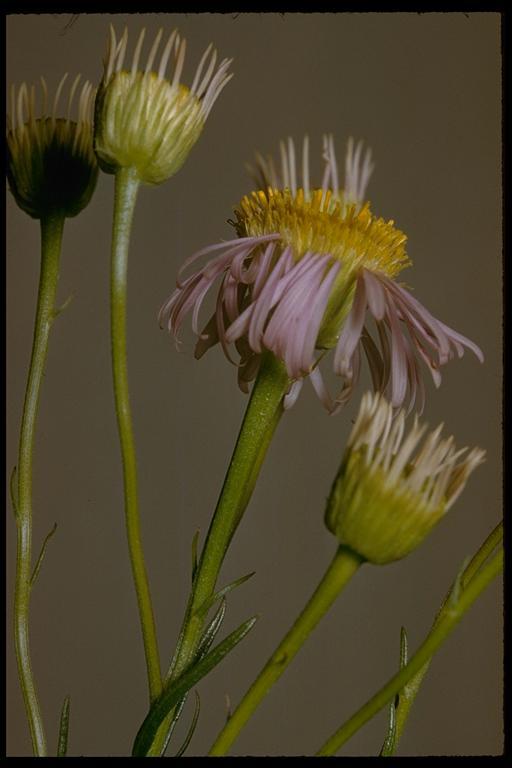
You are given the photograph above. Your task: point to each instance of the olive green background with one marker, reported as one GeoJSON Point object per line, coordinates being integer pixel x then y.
{"type": "Point", "coordinates": [424, 92]}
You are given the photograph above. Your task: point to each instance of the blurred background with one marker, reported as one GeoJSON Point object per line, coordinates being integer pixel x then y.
{"type": "Point", "coordinates": [424, 91]}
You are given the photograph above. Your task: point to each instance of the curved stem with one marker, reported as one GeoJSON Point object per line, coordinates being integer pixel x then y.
{"type": "Point", "coordinates": [451, 616]}
{"type": "Point", "coordinates": [339, 573]}
{"type": "Point", "coordinates": [126, 188]}
{"type": "Point", "coordinates": [260, 421]}
{"type": "Point", "coordinates": [51, 239]}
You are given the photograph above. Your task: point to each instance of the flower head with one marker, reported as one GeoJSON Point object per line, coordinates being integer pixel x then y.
{"type": "Point", "coordinates": [308, 266]}
{"type": "Point", "coordinates": [144, 120]}
{"type": "Point", "coordinates": [389, 492]}
{"type": "Point", "coordinates": [51, 166]}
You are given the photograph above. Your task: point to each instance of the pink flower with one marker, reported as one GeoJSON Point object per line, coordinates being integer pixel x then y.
{"type": "Point", "coordinates": [307, 271]}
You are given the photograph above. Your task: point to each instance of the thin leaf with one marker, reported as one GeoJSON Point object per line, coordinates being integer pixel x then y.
{"type": "Point", "coordinates": [177, 713]}
{"type": "Point", "coordinates": [192, 728]}
{"type": "Point", "coordinates": [211, 631]}
{"type": "Point", "coordinates": [204, 646]}
{"type": "Point", "coordinates": [62, 746]}
{"type": "Point", "coordinates": [12, 491]}
{"type": "Point", "coordinates": [207, 604]}
{"type": "Point", "coordinates": [195, 541]}
{"type": "Point", "coordinates": [41, 556]}
{"type": "Point", "coordinates": [173, 693]}
{"type": "Point", "coordinates": [390, 741]}
{"type": "Point", "coordinates": [404, 648]}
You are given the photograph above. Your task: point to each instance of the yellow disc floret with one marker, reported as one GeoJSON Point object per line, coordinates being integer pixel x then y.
{"type": "Point", "coordinates": [324, 224]}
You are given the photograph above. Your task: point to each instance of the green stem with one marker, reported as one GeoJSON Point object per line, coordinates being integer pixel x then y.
{"type": "Point", "coordinates": [51, 239]}
{"type": "Point", "coordinates": [451, 616]}
{"type": "Point", "coordinates": [126, 188]}
{"type": "Point", "coordinates": [339, 573]}
{"type": "Point", "coordinates": [410, 691]}
{"type": "Point", "coordinates": [260, 421]}
{"type": "Point", "coordinates": [261, 418]}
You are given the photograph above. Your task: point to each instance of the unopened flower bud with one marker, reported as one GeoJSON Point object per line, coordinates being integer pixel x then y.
{"type": "Point", "coordinates": [145, 121]}
{"type": "Point", "coordinates": [51, 166]}
{"type": "Point", "coordinates": [389, 493]}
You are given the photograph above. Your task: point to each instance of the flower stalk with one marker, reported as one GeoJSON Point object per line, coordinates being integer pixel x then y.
{"type": "Point", "coordinates": [51, 239]}
{"type": "Point", "coordinates": [261, 418]}
{"type": "Point", "coordinates": [126, 188]}
{"type": "Point", "coordinates": [343, 566]}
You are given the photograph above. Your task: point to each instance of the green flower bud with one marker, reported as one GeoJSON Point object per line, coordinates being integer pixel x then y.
{"type": "Point", "coordinates": [51, 166]}
{"type": "Point", "coordinates": [384, 500]}
{"type": "Point", "coordinates": [143, 120]}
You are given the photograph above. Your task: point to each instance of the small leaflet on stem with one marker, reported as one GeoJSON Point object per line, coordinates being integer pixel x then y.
{"type": "Point", "coordinates": [389, 744]}
{"type": "Point", "coordinates": [62, 746]}
{"type": "Point", "coordinates": [177, 714]}
{"type": "Point", "coordinates": [192, 728]}
{"type": "Point", "coordinates": [205, 607]}
{"type": "Point", "coordinates": [39, 562]}
{"type": "Point", "coordinates": [211, 631]}
{"type": "Point", "coordinates": [58, 310]}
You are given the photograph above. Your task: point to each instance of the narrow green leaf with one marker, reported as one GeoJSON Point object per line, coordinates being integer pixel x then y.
{"type": "Point", "coordinates": [12, 491]}
{"type": "Point", "coordinates": [62, 746]}
{"type": "Point", "coordinates": [41, 556]}
{"type": "Point", "coordinates": [192, 728]}
{"type": "Point", "coordinates": [174, 692]}
{"type": "Point", "coordinates": [211, 631]}
{"type": "Point", "coordinates": [404, 648]}
{"type": "Point", "coordinates": [390, 742]}
{"type": "Point", "coordinates": [195, 542]}
{"type": "Point", "coordinates": [205, 607]}
{"type": "Point", "coordinates": [177, 714]}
